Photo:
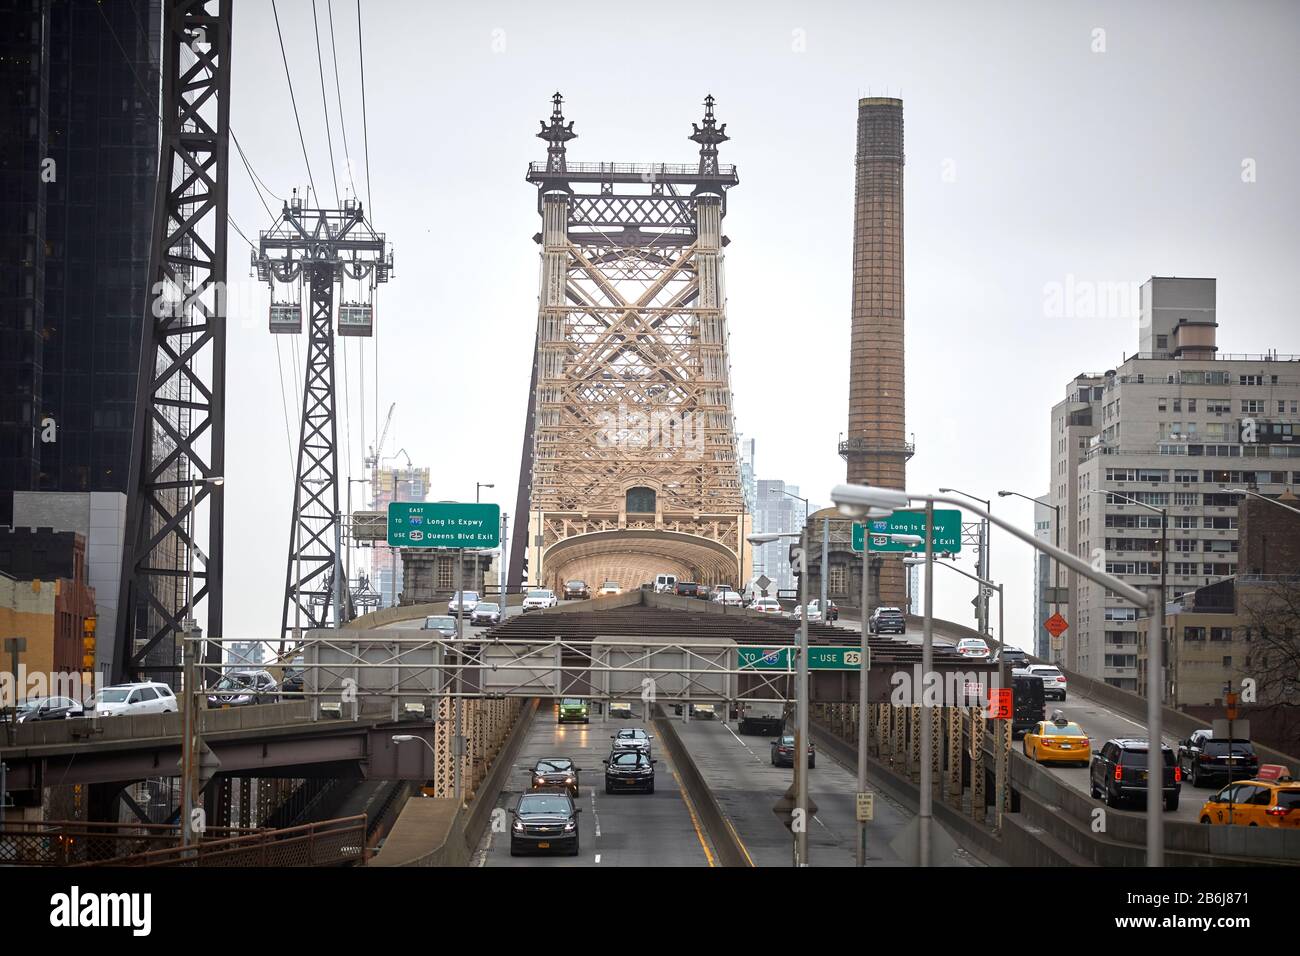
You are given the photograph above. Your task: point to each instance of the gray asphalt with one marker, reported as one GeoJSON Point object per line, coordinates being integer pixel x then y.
{"type": "Point", "coordinates": [739, 772]}
{"type": "Point", "coordinates": [622, 829]}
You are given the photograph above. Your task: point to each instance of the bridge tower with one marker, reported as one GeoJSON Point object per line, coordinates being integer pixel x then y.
{"type": "Point", "coordinates": [629, 466]}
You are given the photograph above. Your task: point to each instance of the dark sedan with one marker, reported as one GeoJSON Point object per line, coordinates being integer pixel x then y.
{"type": "Point", "coordinates": [553, 772]}
{"type": "Point", "coordinates": [49, 708]}
{"type": "Point", "coordinates": [485, 615]}
{"type": "Point", "coordinates": [629, 770]}
{"type": "Point", "coordinates": [783, 752]}
{"type": "Point", "coordinates": [544, 822]}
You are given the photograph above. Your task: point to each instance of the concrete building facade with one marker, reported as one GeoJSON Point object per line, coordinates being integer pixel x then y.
{"type": "Point", "coordinates": [776, 511]}
{"type": "Point", "coordinates": [1169, 428]}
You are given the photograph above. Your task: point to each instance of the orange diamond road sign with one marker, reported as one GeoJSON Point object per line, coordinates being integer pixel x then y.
{"type": "Point", "coordinates": [1056, 625]}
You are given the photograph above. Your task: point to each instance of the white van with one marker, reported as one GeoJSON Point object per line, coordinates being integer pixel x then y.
{"type": "Point", "coordinates": [665, 583]}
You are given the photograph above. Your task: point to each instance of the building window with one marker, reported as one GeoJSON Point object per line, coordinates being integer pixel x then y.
{"type": "Point", "coordinates": [641, 500]}
{"type": "Point", "coordinates": [1252, 406]}
{"type": "Point", "coordinates": [1220, 633]}
{"type": "Point", "coordinates": [445, 574]}
{"type": "Point", "coordinates": [838, 581]}
{"type": "Point", "coordinates": [1193, 633]}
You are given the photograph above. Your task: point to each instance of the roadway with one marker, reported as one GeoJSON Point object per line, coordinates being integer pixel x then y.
{"type": "Point", "coordinates": [621, 829]}
{"type": "Point", "coordinates": [739, 773]}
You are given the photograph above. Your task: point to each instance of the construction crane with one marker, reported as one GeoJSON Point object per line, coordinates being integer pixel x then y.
{"type": "Point", "coordinates": [377, 449]}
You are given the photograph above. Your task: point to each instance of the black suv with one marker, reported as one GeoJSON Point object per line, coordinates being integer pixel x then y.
{"type": "Point", "coordinates": [629, 770]}
{"type": "Point", "coordinates": [544, 821]}
{"type": "Point", "coordinates": [1206, 760]}
{"type": "Point", "coordinates": [576, 591]}
{"type": "Point", "coordinates": [553, 772]}
{"type": "Point", "coordinates": [887, 620]}
{"type": "Point", "coordinates": [1030, 709]}
{"type": "Point", "coordinates": [1012, 655]}
{"type": "Point", "coordinates": [1119, 773]}
{"type": "Point", "coordinates": [688, 589]}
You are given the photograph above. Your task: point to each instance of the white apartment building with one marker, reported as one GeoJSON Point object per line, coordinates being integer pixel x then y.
{"type": "Point", "coordinates": [1170, 427]}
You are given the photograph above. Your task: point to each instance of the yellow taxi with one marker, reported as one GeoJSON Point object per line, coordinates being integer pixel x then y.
{"type": "Point", "coordinates": [1058, 741]}
{"type": "Point", "coordinates": [1272, 799]}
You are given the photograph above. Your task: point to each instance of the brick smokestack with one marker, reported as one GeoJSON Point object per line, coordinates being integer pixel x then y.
{"type": "Point", "coordinates": [876, 450]}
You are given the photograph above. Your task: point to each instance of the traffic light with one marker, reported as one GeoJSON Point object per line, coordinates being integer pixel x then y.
{"type": "Point", "coordinates": [523, 579]}
{"type": "Point", "coordinates": [88, 644]}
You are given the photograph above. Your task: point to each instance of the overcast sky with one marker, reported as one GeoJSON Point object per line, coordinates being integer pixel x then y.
{"type": "Point", "coordinates": [1046, 143]}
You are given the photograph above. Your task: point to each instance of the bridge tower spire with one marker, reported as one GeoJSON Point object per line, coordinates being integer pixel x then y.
{"type": "Point", "coordinates": [629, 461]}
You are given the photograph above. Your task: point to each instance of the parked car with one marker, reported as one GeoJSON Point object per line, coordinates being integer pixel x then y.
{"type": "Point", "coordinates": [576, 591]}
{"type": "Point", "coordinates": [486, 615]}
{"type": "Point", "coordinates": [609, 588]}
{"type": "Point", "coordinates": [539, 600]}
{"type": "Point", "coordinates": [783, 752]}
{"type": "Point", "coordinates": [1012, 655]}
{"type": "Point", "coordinates": [1205, 759]}
{"type": "Point", "coordinates": [1027, 693]}
{"type": "Point", "coordinates": [49, 708]}
{"type": "Point", "coordinates": [446, 626]}
{"type": "Point", "coordinates": [544, 821]}
{"type": "Point", "coordinates": [687, 588]}
{"type": "Point", "coordinates": [1273, 802]}
{"type": "Point", "coordinates": [629, 770]}
{"type": "Point", "coordinates": [144, 697]}
{"type": "Point", "coordinates": [1058, 741]}
{"type": "Point", "coordinates": [554, 772]}
{"type": "Point", "coordinates": [572, 709]}
{"type": "Point", "coordinates": [632, 738]}
{"type": "Point", "coordinates": [975, 648]}
{"type": "Point", "coordinates": [887, 620]}
{"type": "Point", "coordinates": [1053, 680]}
{"type": "Point", "coordinates": [463, 602]}
{"type": "Point", "coordinates": [242, 688]}
{"type": "Point", "coordinates": [765, 605]}
{"type": "Point", "coordinates": [1118, 773]}
{"type": "Point", "coordinates": [665, 583]}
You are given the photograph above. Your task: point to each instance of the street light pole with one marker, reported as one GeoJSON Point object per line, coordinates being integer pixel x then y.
{"type": "Point", "coordinates": [479, 486]}
{"type": "Point", "coordinates": [1056, 565]}
{"type": "Point", "coordinates": [984, 555]}
{"type": "Point", "coordinates": [801, 741]}
{"type": "Point", "coordinates": [926, 803]}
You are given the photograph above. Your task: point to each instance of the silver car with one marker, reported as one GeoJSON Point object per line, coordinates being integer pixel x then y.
{"type": "Point", "coordinates": [446, 626]}
{"type": "Point", "coordinates": [632, 738]}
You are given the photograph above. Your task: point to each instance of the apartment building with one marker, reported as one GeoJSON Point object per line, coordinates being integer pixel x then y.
{"type": "Point", "coordinates": [1170, 428]}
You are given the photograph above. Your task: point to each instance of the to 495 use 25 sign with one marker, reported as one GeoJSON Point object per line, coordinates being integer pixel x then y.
{"type": "Point", "coordinates": [443, 524]}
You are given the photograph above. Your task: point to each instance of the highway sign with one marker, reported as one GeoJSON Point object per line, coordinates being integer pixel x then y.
{"type": "Point", "coordinates": [947, 531]}
{"type": "Point", "coordinates": [1056, 625]}
{"type": "Point", "coordinates": [866, 807]}
{"type": "Point", "coordinates": [1001, 704]}
{"type": "Point", "coordinates": [443, 524]}
{"type": "Point", "coordinates": [763, 658]}
{"type": "Point", "coordinates": [781, 658]}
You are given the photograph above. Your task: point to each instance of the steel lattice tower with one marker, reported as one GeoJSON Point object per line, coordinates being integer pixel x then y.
{"type": "Point", "coordinates": [319, 247]}
{"type": "Point", "coordinates": [179, 437]}
{"type": "Point", "coordinates": [629, 460]}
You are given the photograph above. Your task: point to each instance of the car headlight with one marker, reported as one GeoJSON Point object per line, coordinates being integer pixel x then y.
{"type": "Point", "coordinates": [539, 781]}
{"type": "Point", "coordinates": [568, 780]}
{"type": "Point", "coordinates": [570, 826]}
{"type": "Point", "coordinates": [519, 826]}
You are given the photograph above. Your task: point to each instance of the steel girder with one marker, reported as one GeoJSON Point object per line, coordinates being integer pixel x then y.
{"type": "Point", "coordinates": [179, 435]}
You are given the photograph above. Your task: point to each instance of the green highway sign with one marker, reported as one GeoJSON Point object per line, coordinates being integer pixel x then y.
{"type": "Point", "coordinates": [782, 658]}
{"type": "Point", "coordinates": [764, 658]}
{"type": "Point", "coordinates": [947, 531]}
{"type": "Point", "coordinates": [443, 524]}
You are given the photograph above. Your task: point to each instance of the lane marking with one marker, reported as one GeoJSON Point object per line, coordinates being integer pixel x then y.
{"type": "Point", "coordinates": [742, 742]}
{"type": "Point", "coordinates": [695, 821]}
{"type": "Point", "coordinates": [597, 857]}
{"type": "Point", "coordinates": [594, 815]}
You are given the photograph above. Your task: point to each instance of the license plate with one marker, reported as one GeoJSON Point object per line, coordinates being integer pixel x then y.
{"type": "Point", "coordinates": [1066, 746]}
{"type": "Point", "coordinates": [543, 845]}
{"type": "Point", "coordinates": [225, 706]}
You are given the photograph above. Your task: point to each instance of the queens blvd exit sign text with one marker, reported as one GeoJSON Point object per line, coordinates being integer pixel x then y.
{"type": "Point", "coordinates": [443, 524]}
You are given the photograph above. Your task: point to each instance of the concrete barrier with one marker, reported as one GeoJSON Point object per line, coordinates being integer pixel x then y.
{"type": "Point", "coordinates": [722, 835]}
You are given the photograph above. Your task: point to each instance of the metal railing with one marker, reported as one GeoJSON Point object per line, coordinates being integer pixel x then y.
{"type": "Point", "coordinates": [636, 169]}
{"type": "Point", "coordinates": [325, 843]}
{"type": "Point", "coordinates": [78, 842]}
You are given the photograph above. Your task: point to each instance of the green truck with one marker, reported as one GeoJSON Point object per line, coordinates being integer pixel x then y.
{"type": "Point", "coordinates": [573, 709]}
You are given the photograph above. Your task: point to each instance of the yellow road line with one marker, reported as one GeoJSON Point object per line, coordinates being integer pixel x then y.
{"type": "Point", "coordinates": [695, 821]}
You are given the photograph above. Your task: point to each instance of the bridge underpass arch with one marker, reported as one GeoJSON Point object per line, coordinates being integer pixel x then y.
{"type": "Point", "coordinates": [634, 557]}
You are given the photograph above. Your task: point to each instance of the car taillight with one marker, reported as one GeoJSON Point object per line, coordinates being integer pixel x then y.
{"type": "Point", "coordinates": [1119, 772]}
{"type": "Point", "coordinates": [1278, 811]}
{"type": "Point", "coordinates": [1178, 774]}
